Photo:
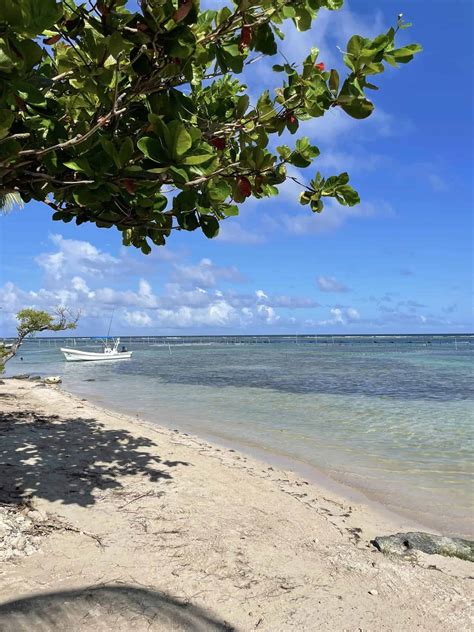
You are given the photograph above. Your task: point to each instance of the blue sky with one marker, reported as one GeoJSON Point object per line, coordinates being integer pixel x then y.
{"type": "Point", "coordinates": [399, 262]}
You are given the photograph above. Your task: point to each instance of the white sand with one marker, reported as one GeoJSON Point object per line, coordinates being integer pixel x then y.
{"type": "Point", "coordinates": [137, 527]}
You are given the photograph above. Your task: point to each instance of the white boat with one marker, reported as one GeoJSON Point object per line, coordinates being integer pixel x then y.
{"type": "Point", "coordinates": [109, 353]}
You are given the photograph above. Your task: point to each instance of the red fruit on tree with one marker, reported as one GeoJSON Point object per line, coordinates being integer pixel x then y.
{"type": "Point", "coordinates": [243, 184]}
{"type": "Point", "coordinates": [291, 118]}
{"type": "Point", "coordinates": [319, 67]}
{"type": "Point", "coordinates": [245, 37]}
{"type": "Point", "coordinates": [129, 185]}
{"type": "Point", "coordinates": [52, 40]}
{"type": "Point", "coordinates": [218, 143]}
{"type": "Point", "coordinates": [183, 10]}
{"type": "Point", "coordinates": [20, 103]}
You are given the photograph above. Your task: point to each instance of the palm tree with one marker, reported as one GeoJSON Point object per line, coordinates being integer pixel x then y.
{"type": "Point", "coordinates": [8, 201]}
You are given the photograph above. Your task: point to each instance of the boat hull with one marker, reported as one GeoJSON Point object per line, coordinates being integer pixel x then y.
{"type": "Point", "coordinates": [75, 355]}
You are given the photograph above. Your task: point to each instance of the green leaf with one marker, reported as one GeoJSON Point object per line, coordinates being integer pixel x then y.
{"type": "Point", "coordinates": [187, 221]}
{"type": "Point", "coordinates": [263, 40]}
{"type": "Point", "coordinates": [242, 105]}
{"type": "Point", "coordinates": [180, 140]}
{"type": "Point", "coordinates": [334, 5]}
{"type": "Point", "coordinates": [229, 210]}
{"type": "Point", "coordinates": [159, 203]}
{"type": "Point", "coordinates": [209, 226]}
{"type": "Point", "coordinates": [6, 119]}
{"type": "Point", "coordinates": [219, 191]}
{"type": "Point", "coordinates": [9, 149]}
{"type": "Point", "coordinates": [116, 44]}
{"type": "Point", "coordinates": [79, 164]}
{"type": "Point", "coordinates": [284, 151]}
{"type": "Point", "coordinates": [298, 160]}
{"type": "Point", "coordinates": [316, 205]}
{"type": "Point", "coordinates": [347, 196]}
{"type": "Point", "coordinates": [110, 149]}
{"type": "Point", "coordinates": [405, 51]}
{"type": "Point", "coordinates": [31, 53]}
{"type": "Point", "coordinates": [145, 247]}
{"type": "Point", "coordinates": [358, 108]}
{"type": "Point", "coordinates": [302, 19]}
{"type": "Point", "coordinates": [305, 197]}
{"type": "Point", "coordinates": [153, 149]}
{"type": "Point", "coordinates": [334, 80]}
{"type": "Point", "coordinates": [30, 17]}
{"type": "Point", "coordinates": [197, 159]}
{"type": "Point", "coordinates": [126, 151]}
{"type": "Point", "coordinates": [29, 93]}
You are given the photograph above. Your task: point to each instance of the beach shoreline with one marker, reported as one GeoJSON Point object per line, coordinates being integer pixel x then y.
{"type": "Point", "coordinates": [345, 488]}
{"type": "Point", "coordinates": [260, 547]}
{"type": "Point", "coordinates": [317, 476]}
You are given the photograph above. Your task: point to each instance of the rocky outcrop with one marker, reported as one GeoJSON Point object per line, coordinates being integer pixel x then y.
{"type": "Point", "coordinates": [402, 543]}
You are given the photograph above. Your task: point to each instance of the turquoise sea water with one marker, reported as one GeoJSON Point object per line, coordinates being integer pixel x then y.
{"type": "Point", "coordinates": [391, 416]}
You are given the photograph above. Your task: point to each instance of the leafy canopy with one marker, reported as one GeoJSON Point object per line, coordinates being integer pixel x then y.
{"type": "Point", "coordinates": [138, 120]}
{"type": "Point", "coordinates": [32, 321]}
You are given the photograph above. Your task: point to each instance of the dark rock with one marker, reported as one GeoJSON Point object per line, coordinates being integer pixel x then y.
{"type": "Point", "coordinates": [21, 376]}
{"type": "Point", "coordinates": [90, 380]}
{"type": "Point", "coordinates": [402, 543]}
{"type": "Point", "coordinates": [35, 378]}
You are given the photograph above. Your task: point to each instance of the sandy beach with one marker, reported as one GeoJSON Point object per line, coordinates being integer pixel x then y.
{"type": "Point", "coordinates": [108, 522]}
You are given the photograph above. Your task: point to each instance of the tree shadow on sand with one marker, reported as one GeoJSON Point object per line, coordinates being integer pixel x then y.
{"type": "Point", "coordinates": [101, 608]}
{"type": "Point", "coordinates": [68, 459]}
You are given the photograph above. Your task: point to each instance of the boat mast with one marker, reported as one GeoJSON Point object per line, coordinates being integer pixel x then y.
{"type": "Point", "coordinates": [108, 331]}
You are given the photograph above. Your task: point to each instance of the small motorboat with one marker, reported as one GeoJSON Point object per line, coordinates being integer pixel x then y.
{"type": "Point", "coordinates": [109, 352]}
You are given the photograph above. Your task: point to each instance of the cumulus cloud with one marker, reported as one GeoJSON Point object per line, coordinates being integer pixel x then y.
{"type": "Point", "coordinates": [190, 296]}
{"type": "Point", "coordinates": [207, 274]}
{"type": "Point", "coordinates": [76, 257]}
{"type": "Point", "coordinates": [267, 313]}
{"type": "Point", "coordinates": [341, 316]}
{"type": "Point", "coordinates": [140, 319]}
{"type": "Point", "coordinates": [331, 284]}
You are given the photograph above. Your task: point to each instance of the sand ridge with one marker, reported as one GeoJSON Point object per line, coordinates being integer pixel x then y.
{"type": "Point", "coordinates": [137, 526]}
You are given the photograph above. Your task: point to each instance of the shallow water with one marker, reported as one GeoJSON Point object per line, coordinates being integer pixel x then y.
{"type": "Point", "coordinates": [393, 419]}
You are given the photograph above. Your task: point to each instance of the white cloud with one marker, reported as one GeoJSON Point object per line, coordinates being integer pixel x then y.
{"type": "Point", "coordinates": [206, 273]}
{"type": "Point", "coordinates": [137, 318]}
{"type": "Point", "coordinates": [352, 314]}
{"type": "Point", "coordinates": [268, 314]}
{"type": "Point", "coordinates": [76, 257]}
{"type": "Point", "coordinates": [341, 316]}
{"type": "Point", "coordinates": [331, 284]}
{"type": "Point", "coordinates": [293, 302]}
{"type": "Point", "coordinates": [192, 298]}
{"type": "Point", "coordinates": [303, 222]}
